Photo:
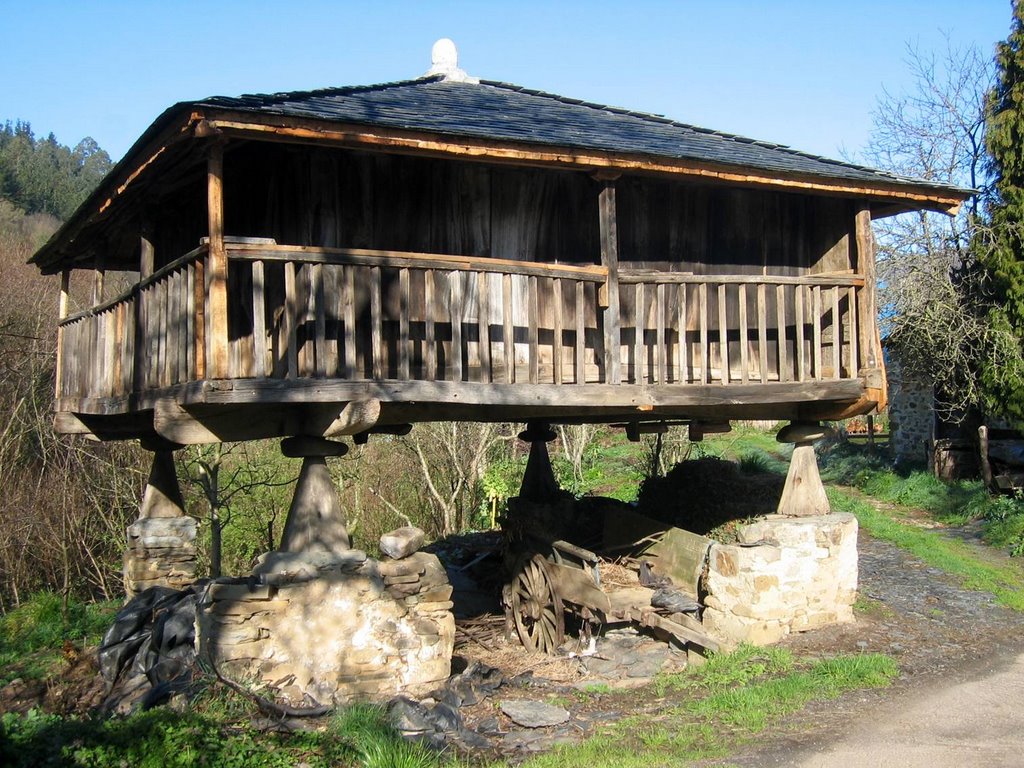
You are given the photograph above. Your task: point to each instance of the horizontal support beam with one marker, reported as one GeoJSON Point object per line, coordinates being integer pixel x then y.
{"type": "Point", "coordinates": [411, 260]}
{"type": "Point", "coordinates": [688, 278]}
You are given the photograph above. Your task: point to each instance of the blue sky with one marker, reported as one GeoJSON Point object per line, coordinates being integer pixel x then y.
{"type": "Point", "coordinates": [802, 73]}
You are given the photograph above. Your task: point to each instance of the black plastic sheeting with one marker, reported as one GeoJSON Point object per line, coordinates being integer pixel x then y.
{"type": "Point", "coordinates": [149, 652]}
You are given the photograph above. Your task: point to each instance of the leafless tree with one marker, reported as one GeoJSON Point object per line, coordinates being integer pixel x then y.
{"type": "Point", "coordinates": [452, 458]}
{"type": "Point", "coordinates": [930, 292]}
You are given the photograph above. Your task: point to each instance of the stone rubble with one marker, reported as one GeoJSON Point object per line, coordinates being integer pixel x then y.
{"type": "Point", "coordinates": [330, 629]}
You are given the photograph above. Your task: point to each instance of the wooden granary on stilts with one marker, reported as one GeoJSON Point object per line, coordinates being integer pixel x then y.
{"type": "Point", "coordinates": [350, 261]}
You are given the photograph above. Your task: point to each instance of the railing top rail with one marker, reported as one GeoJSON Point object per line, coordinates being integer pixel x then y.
{"type": "Point", "coordinates": [843, 279]}
{"type": "Point", "coordinates": [406, 259]}
{"type": "Point", "coordinates": [158, 275]}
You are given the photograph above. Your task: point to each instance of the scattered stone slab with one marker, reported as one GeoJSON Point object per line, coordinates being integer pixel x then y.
{"type": "Point", "coordinates": [534, 714]}
{"type": "Point", "coordinates": [402, 542]}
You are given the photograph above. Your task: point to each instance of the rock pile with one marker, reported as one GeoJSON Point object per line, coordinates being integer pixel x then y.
{"type": "Point", "coordinates": [326, 630]}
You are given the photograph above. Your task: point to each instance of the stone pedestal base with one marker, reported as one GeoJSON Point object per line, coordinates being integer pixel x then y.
{"type": "Point", "coordinates": [786, 574]}
{"type": "Point", "coordinates": [161, 552]}
{"type": "Point", "coordinates": [330, 632]}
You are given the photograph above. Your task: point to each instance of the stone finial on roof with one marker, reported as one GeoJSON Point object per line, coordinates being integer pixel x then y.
{"type": "Point", "coordinates": [444, 61]}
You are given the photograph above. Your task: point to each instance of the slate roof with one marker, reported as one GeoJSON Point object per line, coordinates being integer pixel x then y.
{"type": "Point", "coordinates": [504, 112]}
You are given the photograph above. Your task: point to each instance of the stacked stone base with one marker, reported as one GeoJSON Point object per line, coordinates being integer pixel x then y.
{"type": "Point", "coordinates": [786, 574]}
{"type": "Point", "coordinates": [161, 552]}
{"type": "Point", "coordinates": [351, 628]}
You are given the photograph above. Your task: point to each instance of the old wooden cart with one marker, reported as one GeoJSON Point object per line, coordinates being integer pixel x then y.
{"type": "Point", "coordinates": [662, 571]}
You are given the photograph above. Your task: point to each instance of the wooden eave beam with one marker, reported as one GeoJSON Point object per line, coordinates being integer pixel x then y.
{"type": "Point", "coordinates": [125, 176]}
{"type": "Point", "coordinates": [296, 130]}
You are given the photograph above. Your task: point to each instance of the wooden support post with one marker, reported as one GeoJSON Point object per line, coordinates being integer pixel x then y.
{"type": "Point", "coordinates": [610, 260]}
{"type": "Point", "coordinates": [217, 261]}
{"type": "Point", "coordinates": [99, 274]}
{"type": "Point", "coordinates": [62, 312]}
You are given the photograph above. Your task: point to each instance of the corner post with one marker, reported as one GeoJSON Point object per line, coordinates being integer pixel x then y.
{"type": "Point", "coordinates": [867, 305]}
{"type": "Point", "coordinates": [62, 313]}
{"type": "Point", "coordinates": [217, 266]}
{"type": "Point", "coordinates": [610, 260]}
{"type": "Point", "coordinates": [147, 263]}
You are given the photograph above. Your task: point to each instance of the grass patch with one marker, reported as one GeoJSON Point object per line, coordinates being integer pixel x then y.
{"type": "Point", "coordinates": [31, 636]}
{"type": "Point", "coordinates": [723, 702]}
{"type": "Point", "coordinates": [1005, 581]}
{"type": "Point", "coordinates": [357, 736]}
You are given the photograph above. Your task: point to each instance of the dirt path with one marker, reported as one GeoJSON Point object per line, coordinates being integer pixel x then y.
{"type": "Point", "coordinates": [960, 698]}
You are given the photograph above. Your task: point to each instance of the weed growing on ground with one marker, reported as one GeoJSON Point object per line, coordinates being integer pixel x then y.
{"type": "Point", "coordinates": [1004, 581]}
{"type": "Point", "coordinates": [32, 634]}
{"type": "Point", "coordinates": [727, 700]}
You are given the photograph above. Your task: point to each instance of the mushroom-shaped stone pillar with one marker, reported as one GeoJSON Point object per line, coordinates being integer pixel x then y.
{"type": "Point", "coordinates": [315, 520]}
{"type": "Point", "coordinates": [804, 493]}
{"type": "Point", "coordinates": [539, 483]}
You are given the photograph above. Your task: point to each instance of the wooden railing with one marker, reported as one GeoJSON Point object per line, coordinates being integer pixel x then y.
{"type": "Point", "coordinates": [360, 315]}
{"type": "Point", "coordinates": [684, 328]}
{"type": "Point", "coordinates": [150, 337]}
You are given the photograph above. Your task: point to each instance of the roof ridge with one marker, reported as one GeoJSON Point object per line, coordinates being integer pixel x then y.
{"type": "Point", "coordinates": [339, 90]}
{"type": "Point", "coordinates": [663, 120]}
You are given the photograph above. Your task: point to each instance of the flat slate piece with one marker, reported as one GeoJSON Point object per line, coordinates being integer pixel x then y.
{"type": "Point", "coordinates": [534, 714]}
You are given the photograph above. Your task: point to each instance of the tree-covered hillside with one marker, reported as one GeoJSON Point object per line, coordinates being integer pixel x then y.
{"type": "Point", "coordinates": [45, 176]}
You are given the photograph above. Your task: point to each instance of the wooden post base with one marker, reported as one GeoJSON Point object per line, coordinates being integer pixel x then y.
{"type": "Point", "coordinates": [315, 523]}
{"type": "Point", "coordinates": [539, 483]}
{"type": "Point", "coordinates": [804, 494]}
{"type": "Point", "coordinates": [162, 496]}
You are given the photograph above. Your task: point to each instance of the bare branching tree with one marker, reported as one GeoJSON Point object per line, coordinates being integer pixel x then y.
{"type": "Point", "coordinates": [931, 292]}
{"type": "Point", "coordinates": [221, 472]}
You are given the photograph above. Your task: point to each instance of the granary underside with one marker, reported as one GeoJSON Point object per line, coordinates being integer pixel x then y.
{"type": "Point", "coordinates": [280, 282]}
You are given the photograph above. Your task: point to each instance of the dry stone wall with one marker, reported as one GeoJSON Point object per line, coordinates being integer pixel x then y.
{"type": "Point", "coordinates": [785, 574]}
{"type": "Point", "coordinates": [353, 627]}
{"type": "Point", "coordinates": [161, 552]}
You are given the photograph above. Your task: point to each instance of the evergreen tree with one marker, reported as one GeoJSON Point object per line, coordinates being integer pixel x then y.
{"type": "Point", "coordinates": [1000, 244]}
{"type": "Point", "coordinates": [43, 175]}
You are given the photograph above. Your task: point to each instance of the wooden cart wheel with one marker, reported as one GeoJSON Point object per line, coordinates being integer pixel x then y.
{"type": "Point", "coordinates": [536, 607]}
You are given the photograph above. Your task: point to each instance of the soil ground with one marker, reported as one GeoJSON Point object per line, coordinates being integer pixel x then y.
{"type": "Point", "coordinates": [957, 701]}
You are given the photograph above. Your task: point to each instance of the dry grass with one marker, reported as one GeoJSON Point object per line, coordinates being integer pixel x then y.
{"type": "Point", "coordinates": [513, 660]}
{"type": "Point", "coordinates": [615, 575]}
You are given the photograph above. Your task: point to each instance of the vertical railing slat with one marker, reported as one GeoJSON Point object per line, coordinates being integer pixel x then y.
{"type": "Point", "coordinates": [533, 310]}
{"type": "Point", "coordinates": [376, 325]}
{"type": "Point", "coordinates": [723, 335]}
{"type": "Point", "coordinates": [683, 376]}
{"type": "Point", "coordinates": [762, 333]}
{"type": "Point", "coordinates": [349, 310]}
{"type": "Point", "coordinates": [429, 331]}
{"type": "Point", "coordinates": [837, 336]}
{"type": "Point", "coordinates": [638, 333]}
{"type": "Point", "coordinates": [291, 336]}
{"type": "Point", "coordinates": [581, 335]}
{"type": "Point", "coordinates": [816, 330]}
{"type": "Point", "coordinates": [744, 331]}
{"type": "Point", "coordinates": [556, 344]}
{"type": "Point", "coordinates": [259, 321]}
{"type": "Point", "coordinates": [455, 314]}
{"type": "Point", "coordinates": [508, 329]}
{"type": "Point", "coordinates": [404, 343]}
{"type": "Point", "coordinates": [852, 315]}
{"type": "Point", "coordinates": [798, 301]}
{"type": "Point", "coordinates": [705, 344]}
{"type": "Point", "coordinates": [780, 314]}
{"type": "Point", "coordinates": [483, 325]}
{"type": "Point", "coordinates": [662, 349]}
